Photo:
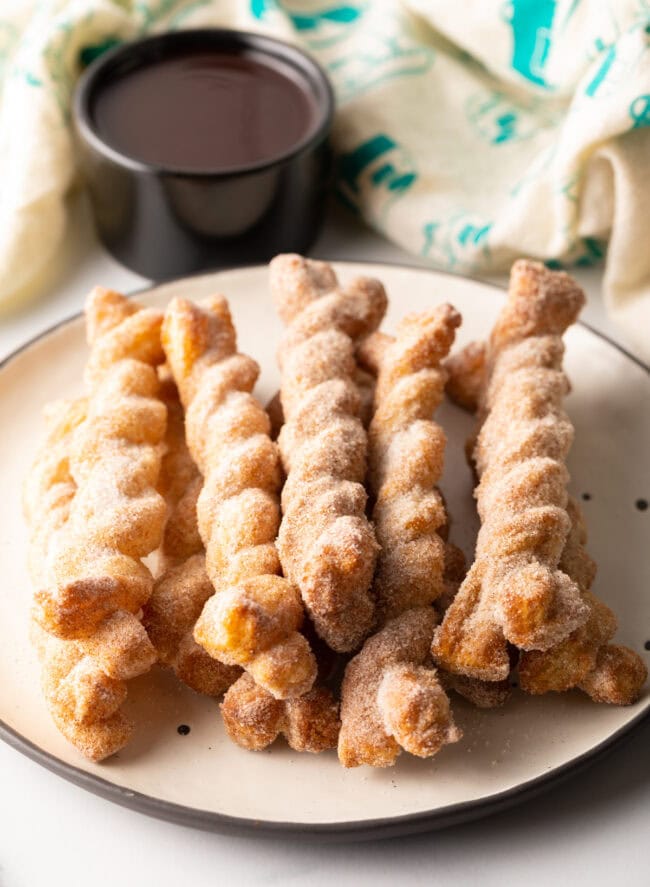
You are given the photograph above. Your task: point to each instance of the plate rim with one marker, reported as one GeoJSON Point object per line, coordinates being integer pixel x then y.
{"type": "Point", "coordinates": [354, 830]}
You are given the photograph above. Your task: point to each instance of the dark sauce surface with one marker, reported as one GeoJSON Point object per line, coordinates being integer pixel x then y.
{"type": "Point", "coordinates": [205, 111]}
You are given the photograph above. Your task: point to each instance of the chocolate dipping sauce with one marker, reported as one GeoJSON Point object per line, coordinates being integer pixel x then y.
{"type": "Point", "coordinates": [204, 111]}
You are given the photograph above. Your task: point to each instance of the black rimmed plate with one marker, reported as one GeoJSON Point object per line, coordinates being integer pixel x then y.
{"type": "Point", "coordinates": [200, 778]}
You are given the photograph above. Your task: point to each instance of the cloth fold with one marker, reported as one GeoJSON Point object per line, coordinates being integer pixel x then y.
{"type": "Point", "coordinates": [467, 133]}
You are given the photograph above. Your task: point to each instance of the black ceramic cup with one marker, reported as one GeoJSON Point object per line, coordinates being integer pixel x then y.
{"type": "Point", "coordinates": [164, 220]}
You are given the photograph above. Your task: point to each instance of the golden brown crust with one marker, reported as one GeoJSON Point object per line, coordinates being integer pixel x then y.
{"type": "Point", "coordinates": [253, 619]}
{"type": "Point", "coordinates": [169, 617]}
{"type": "Point", "coordinates": [326, 543]}
{"type": "Point", "coordinates": [254, 719]}
{"type": "Point", "coordinates": [466, 375]}
{"type": "Point", "coordinates": [529, 584]}
{"type": "Point", "coordinates": [116, 516]}
{"type": "Point", "coordinates": [515, 591]}
{"type": "Point", "coordinates": [94, 512]}
{"type": "Point", "coordinates": [82, 699]}
{"type": "Point", "coordinates": [617, 677]}
{"type": "Point", "coordinates": [391, 698]}
{"type": "Point", "coordinates": [585, 659]}
{"type": "Point", "coordinates": [405, 456]}
{"type": "Point", "coordinates": [183, 586]}
{"type": "Point", "coordinates": [365, 383]}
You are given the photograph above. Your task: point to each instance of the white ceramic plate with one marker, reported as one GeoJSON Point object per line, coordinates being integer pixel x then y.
{"type": "Point", "coordinates": [202, 778]}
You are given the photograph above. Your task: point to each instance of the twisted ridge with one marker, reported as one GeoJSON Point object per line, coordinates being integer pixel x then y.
{"type": "Point", "coordinates": [116, 516]}
{"type": "Point", "coordinates": [253, 619]}
{"type": "Point", "coordinates": [183, 586]}
{"type": "Point", "coordinates": [391, 698]}
{"type": "Point", "coordinates": [83, 701]}
{"type": "Point", "coordinates": [526, 342]}
{"type": "Point", "coordinates": [515, 590]}
{"type": "Point", "coordinates": [254, 719]}
{"type": "Point", "coordinates": [607, 672]}
{"type": "Point", "coordinates": [405, 455]}
{"type": "Point", "coordinates": [326, 544]}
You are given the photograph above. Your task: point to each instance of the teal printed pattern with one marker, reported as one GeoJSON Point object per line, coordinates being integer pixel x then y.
{"type": "Point", "coordinates": [593, 254]}
{"type": "Point", "coordinates": [89, 53]}
{"type": "Point", "coordinates": [498, 120]}
{"type": "Point", "coordinates": [620, 57]}
{"type": "Point", "coordinates": [531, 22]}
{"type": "Point", "coordinates": [378, 165]}
{"type": "Point", "coordinates": [386, 58]}
{"type": "Point", "coordinates": [340, 14]}
{"type": "Point", "coordinates": [603, 69]}
{"type": "Point", "coordinates": [460, 243]}
{"type": "Point", "coordinates": [260, 8]}
{"type": "Point", "coordinates": [640, 111]}
{"type": "Point", "coordinates": [319, 28]}
{"type": "Point", "coordinates": [387, 53]}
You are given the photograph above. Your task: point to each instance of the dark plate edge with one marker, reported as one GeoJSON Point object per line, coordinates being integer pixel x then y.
{"type": "Point", "coordinates": [369, 829]}
{"type": "Point", "coordinates": [362, 830]}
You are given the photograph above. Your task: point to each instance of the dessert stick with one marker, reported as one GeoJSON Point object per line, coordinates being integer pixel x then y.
{"type": "Point", "coordinates": [391, 699]}
{"type": "Point", "coordinates": [326, 543]}
{"type": "Point", "coordinates": [529, 584]}
{"type": "Point", "coordinates": [253, 618]}
{"type": "Point", "coordinates": [365, 383]}
{"type": "Point", "coordinates": [183, 586]}
{"type": "Point", "coordinates": [405, 461]}
{"type": "Point", "coordinates": [94, 570]}
{"type": "Point", "coordinates": [83, 701]}
{"type": "Point", "coordinates": [254, 719]}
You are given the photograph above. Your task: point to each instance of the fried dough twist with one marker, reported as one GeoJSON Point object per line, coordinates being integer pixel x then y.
{"type": "Point", "coordinates": [83, 701]}
{"type": "Point", "coordinates": [405, 455]}
{"type": "Point", "coordinates": [254, 618]}
{"type": "Point", "coordinates": [529, 582]}
{"type": "Point", "coordinates": [607, 672]}
{"type": "Point", "coordinates": [391, 698]}
{"type": "Point", "coordinates": [254, 719]}
{"type": "Point", "coordinates": [327, 545]}
{"type": "Point", "coordinates": [183, 586]}
{"type": "Point", "coordinates": [94, 571]}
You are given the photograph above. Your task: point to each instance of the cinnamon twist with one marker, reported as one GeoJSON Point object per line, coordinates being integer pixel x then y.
{"type": "Point", "coordinates": [94, 575]}
{"type": "Point", "coordinates": [183, 586]}
{"type": "Point", "coordinates": [254, 719]}
{"type": "Point", "coordinates": [391, 698]}
{"type": "Point", "coordinates": [529, 582]}
{"type": "Point", "coordinates": [406, 453]}
{"type": "Point", "coordinates": [253, 620]}
{"type": "Point", "coordinates": [83, 701]}
{"type": "Point", "coordinates": [327, 545]}
{"type": "Point", "coordinates": [607, 672]}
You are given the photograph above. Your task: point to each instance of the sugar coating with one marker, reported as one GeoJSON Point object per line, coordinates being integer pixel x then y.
{"type": "Point", "coordinates": [253, 618]}
{"type": "Point", "coordinates": [254, 718]}
{"type": "Point", "coordinates": [83, 679]}
{"type": "Point", "coordinates": [116, 517]}
{"type": "Point", "coordinates": [82, 700]}
{"type": "Point", "coordinates": [391, 698]}
{"type": "Point", "coordinates": [183, 586]}
{"type": "Point", "coordinates": [405, 461]}
{"type": "Point", "coordinates": [94, 511]}
{"type": "Point", "coordinates": [466, 375]}
{"type": "Point", "coordinates": [326, 543]}
{"type": "Point", "coordinates": [529, 583]}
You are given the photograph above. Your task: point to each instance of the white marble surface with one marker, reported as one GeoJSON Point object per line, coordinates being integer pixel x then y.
{"type": "Point", "coordinates": [593, 829]}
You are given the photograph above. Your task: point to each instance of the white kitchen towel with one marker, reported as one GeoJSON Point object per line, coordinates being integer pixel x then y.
{"type": "Point", "coordinates": [469, 132]}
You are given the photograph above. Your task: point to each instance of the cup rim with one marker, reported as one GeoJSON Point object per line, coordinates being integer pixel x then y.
{"type": "Point", "coordinates": [223, 38]}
